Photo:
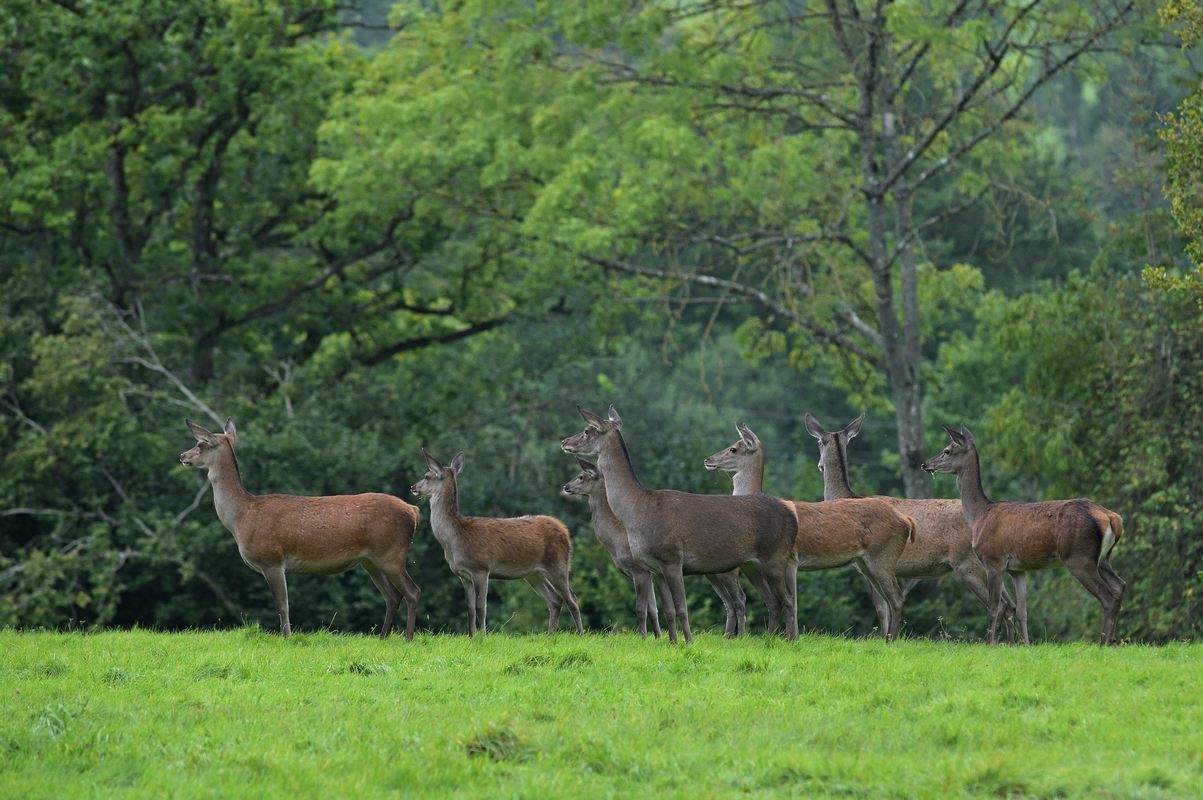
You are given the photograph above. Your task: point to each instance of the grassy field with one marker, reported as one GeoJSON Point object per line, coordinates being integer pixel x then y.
{"type": "Point", "coordinates": [247, 713]}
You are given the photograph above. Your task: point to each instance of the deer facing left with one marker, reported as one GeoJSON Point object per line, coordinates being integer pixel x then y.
{"type": "Point", "coordinates": [535, 548]}
{"type": "Point", "coordinates": [279, 533]}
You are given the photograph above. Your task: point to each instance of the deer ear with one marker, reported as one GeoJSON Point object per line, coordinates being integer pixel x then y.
{"type": "Point", "coordinates": [749, 438]}
{"type": "Point", "coordinates": [431, 461]}
{"type": "Point", "coordinates": [956, 435]}
{"type": "Point", "coordinates": [457, 463]}
{"type": "Point", "coordinates": [200, 433]}
{"type": "Point", "coordinates": [230, 430]}
{"type": "Point", "coordinates": [813, 427]}
{"type": "Point", "coordinates": [968, 436]}
{"type": "Point", "coordinates": [853, 427]}
{"type": "Point", "coordinates": [614, 419]}
{"type": "Point", "coordinates": [593, 419]}
{"type": "Point", "coordinates": [588, 467]}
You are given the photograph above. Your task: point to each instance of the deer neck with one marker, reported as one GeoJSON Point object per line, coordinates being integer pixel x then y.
{"type": "Point", "coordinates": [623, 489]}
{"type": "Point", "coordinates": [599, 507]}
{"type": "Point", "coordinates": [749, 479]}
{"type": "Point", "coordinates": [974, 502]}
{"type": "Point", "coordinates": [835, 474]}
{"type": "Point", "coordinates": [230, 497]}
{"type": "Point", "coordinates": [445, 519]}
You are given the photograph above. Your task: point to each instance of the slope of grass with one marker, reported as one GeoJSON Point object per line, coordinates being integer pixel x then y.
{"type": "Point", "coordinates": [244, 712]}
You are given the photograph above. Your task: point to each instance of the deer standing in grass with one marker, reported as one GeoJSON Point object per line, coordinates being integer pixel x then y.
{"type": "Point", "coordinates": [867, 533]}
{"type": "Point", "coordinates": [534, 548]}
{"type": "Point", "coordinates": [1019, 537]}
{"type": "Point", "coordinates": [942, 543]}
{"type": "Point", "coordinates": [279, 533]}
{"type": "Point", "coordinates": [677, 533]}
{"type": "Point", "coordinates": [591, 485]}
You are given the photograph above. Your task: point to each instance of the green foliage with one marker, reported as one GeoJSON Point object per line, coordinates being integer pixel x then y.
{"type": "Point", "coordinates": [539, 716]}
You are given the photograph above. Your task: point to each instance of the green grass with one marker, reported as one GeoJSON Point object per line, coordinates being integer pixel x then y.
{"type": "Point", "coordinates": [245, 712]}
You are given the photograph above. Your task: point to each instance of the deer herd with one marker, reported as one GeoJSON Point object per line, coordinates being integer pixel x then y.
{"type": "Point", "coordinates": [656, 537]}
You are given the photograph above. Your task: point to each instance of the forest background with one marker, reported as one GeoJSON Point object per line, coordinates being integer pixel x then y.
{"type": "Point", "coordinates": [362, 230]}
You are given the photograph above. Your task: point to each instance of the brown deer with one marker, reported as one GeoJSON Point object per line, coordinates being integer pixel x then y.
{"type": "Point", "coordinates": [942, 537]}
{"type": "Point", "coordinates": [867, 533]}
{"type": "Point", "coordinates": [1019, 537]}
{"type": "Point", "coordinates": [535, 548]}
{"type": "Point", "coordinates": [280, 533]}
{"type": "Point", "coordinates": [677, 533]}
{"type": "Point", "coordinates": [590, 485]}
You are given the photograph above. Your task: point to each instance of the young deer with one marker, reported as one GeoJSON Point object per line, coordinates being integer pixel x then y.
{"type": "Point", "coordinates": [279, 533]}
{"type": "Point", "coordinates": [534, 548]}
{"type": "Point", "coordinates": [1019, 537]}
{"type": "Point", "coordinates": [942, 538]}
{"type": "Point", "coordinates": [867, 533]}
{"type": "Point", "coordinates": [676, 533]}
{"type": "Point", "coordinates": [591, 485]}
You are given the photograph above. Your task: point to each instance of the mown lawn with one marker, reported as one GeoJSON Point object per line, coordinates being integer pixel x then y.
{"type": "Point", "coordinates": [245, 713]}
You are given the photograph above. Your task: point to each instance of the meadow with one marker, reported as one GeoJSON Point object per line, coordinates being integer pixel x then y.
{"type": "Point", "coordinates": [245, 712]}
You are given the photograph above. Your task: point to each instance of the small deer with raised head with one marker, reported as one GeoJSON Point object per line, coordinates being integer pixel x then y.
{"type": "Point", "coordinates": [590, 485]}
{"type": "Point", "coordinates": [678, 533]}
{"type": "Point", "coordinates": [867, 533]}
{"type": "Point", "coordinates": [942, 538]}
{"type": "Point", "coordinates": [537, 549]}
{"type": "Point", "coordinates": [279, 533]}
{"type": "Point", "coordinates": [1019, 537]}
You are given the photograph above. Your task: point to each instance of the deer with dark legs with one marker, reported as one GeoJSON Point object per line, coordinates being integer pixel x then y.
{"type": "Point", "coordinates": [590, 485]}
{"type": "Point", "coordinates": [867, 533]}
{"type": "Point", "coordinates": [536, 549]}
{"type": "Point", "coordinates": [278, 533]}
{"type": "Point", "coordinates": [1012, 537]}
{"type": "Point", "coordinates": [678, 533]}
{"type": "Point", "coordinates": [942, 538]}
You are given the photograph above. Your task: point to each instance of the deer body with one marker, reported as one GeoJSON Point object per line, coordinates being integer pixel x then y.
{"type": "Point", "coordinates": [942, 543]}
{"type": "Point", "coordinates": [613, 536]}
{"type": "Point", "coordinates": [278, 534]}
{"type": "Point", "coordinates": [1019, 537]}
{"type": "Point", "coordinates": [866, 532]}
{"type": "Point", "coordinates": [678, 533]}
{"type": "Point", "coordinates": [536, 549]}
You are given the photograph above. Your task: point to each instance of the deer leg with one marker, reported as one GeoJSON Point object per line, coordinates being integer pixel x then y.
{"type": "Point", "coordinates": [670, 610]}
{"type": "Point", "coordinates": [640, 582]}
{"type": "Point", "coordinates": [726, 585]}
{"type": "Point", "coordinates": [1117, 587]}
{"type": "Point", "coordinates": [558, 579]}
{"type": "Point", "coordinates": [651, 605]}
{"type": "Point", "coordinates": [973, 574]}
{"type": "Point", "coordinates": [401, 581]}
{"type": "Point", "coordinates": [879, 599]}
{"type": "Point", "coordinates": [994, 586]}
{"type": "Point", "coordinates": [538, 582]}
{"type": "Point", "coordinates": [674, 577]}
{"type": "Point", "coordinates": [882, 577]}
{"type": "Point", "coordinates": [279, 586]}
{"type": "Point", "coordinates": [783, 580]}
{"type": "Point", "coordinates": [470, 598]}
{"type": "Point", "coordinates": [1020, 579]}
{"type": "Point", "coordinates": [482, 600]}
{"type": "Point", "coordinates": [392, 597]}
{"type": "Point", "coordinates": [1087, 572]}
{"type": "Point", "coordinates": [762, 584]}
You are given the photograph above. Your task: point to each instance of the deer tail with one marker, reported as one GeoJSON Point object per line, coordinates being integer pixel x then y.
{"type": "Point", "coordinates": [1112, 527]}
{"type": "Point", "coordinates": [910, 528]}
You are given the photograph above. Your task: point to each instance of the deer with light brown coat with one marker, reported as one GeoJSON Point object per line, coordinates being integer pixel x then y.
{"type": "Point", "coordinates": [942, 543]}
{"type": "Point", "coordinates": [590, 485]}
{"type": "Point", "coordinates": [1015, 538]}
{"type": "Point", "coordinates": [675, 533]}
{"type": "Point", "coordinates": [867, 533]}
{"type": "Point", "coordinates": [279, 533]}
{"type": "Point", "coordinates": [536, 549]}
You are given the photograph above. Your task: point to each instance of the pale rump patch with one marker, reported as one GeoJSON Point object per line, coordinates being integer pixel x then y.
{"type": "Point", "coordinates": [1108, 543]}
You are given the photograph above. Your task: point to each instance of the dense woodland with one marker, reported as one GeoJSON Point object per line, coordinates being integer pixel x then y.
{"type": "Point", "coordinates": [362, 231]}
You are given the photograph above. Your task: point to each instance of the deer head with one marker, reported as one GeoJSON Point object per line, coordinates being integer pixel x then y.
{"type": "Point", "coordinates": [833, 444]}
{"type": "Point", "coordinates": [739, 455]}
{"type": "Point", "coordinates": [438, 477]}
{"type": "Point", "coordinates": [586, 483]}
{"type": "Point", "coordinates": [208, 445]}
{"type": "Point", "coordinates": [589, 441]}
{"type": "Point", "coordinates": [955, 456]}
